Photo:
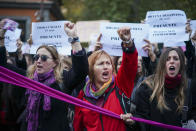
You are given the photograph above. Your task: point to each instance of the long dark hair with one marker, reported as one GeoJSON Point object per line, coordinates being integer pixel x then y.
{"type": "Point", "coordinates": [157, 81]}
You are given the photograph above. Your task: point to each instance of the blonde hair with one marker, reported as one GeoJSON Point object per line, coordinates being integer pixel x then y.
{"type": "Point", "coordinates": [58, 70]}
{"type": "Point", "coordinates": [92, 60]}
{"type": "Point", "coordinates": [157, 81]}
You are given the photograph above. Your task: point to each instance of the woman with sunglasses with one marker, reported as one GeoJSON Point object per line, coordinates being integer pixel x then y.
{"type": "Point", "coordinates": [43, 113]}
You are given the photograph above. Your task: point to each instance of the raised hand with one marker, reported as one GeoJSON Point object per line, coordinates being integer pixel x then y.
{"type": "Point", "coordinates": [30, 40]}
{"type": "Point", "coordinates": [125, 35]}
{"type": "Point", "coordinates": [98, 44]}
{"type": "Point", "coordinates": [19, 45]}
{"type": "Point", "coordinates": [70, 29]}
{"type": "Point", "coordinates": [148, 48]}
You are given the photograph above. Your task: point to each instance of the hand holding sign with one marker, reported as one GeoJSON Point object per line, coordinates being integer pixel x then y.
{"type": "Point", "coordinates": [19, 45]}
{"type": "Point", "coordinates": [98, 44]}
{"type": "Point", "coordinates": [148, 48]}
{"type": "Point", "coordinates": [30, 40]}
{"type": "Point", "coordinates": [125, 35]}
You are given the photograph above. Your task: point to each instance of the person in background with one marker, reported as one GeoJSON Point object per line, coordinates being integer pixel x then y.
{"type": "Point", "coordinates": [190, 54]}
{"type": "Point", "coordinates": [106, 90]}
{"type": "Point", "coordinates": [146, 66]}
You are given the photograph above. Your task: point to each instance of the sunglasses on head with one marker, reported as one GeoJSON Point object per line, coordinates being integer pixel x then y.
{"type": "Point", "coordinates": [43, 57]}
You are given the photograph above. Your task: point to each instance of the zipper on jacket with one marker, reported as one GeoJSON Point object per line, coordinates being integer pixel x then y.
{"type": "Point", "coordinates": [101, 122]}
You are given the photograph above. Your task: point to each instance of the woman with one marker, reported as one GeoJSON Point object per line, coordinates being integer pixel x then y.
{"type": "Point", "coordinates": [105, 90]}
{"type": "Point", "coordinates": [161, 97]}
{"type": "Point", "coordinates": [43, 113]}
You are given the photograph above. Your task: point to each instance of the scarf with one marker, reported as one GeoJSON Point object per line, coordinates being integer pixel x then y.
{"type": "Point", "coordinates": [91, 91]}
{"type": "Point", "coordinates": [172, 82]}
{"type": "Point", "coordinates": [33, 103]}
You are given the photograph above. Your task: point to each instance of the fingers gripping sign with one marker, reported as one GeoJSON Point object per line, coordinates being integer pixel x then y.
{"type": "Point", "coordinates": [98, 44]}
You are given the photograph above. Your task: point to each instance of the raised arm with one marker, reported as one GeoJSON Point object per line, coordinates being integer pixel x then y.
{"type": "Point", "coordinates": [127, 72]}
{"type": "Point", "coordinates": [79, 69]}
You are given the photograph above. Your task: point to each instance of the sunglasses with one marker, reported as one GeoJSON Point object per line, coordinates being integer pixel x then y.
{"type": "Point", "coordinates": [43, 57]}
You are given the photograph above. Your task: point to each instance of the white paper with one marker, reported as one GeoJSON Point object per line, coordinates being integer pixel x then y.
{"type": "Point", "coordinates": [11, 38]}
{"type": "Point", "coordinates": [166, 16]}
{"type": "Point", "coordinates": [25, 48]}
{"type": "Point", "coordinates": [167, 26]}
{"type": "Point", "coordinates": [50, 33]}
{"type": "Point", "coordinates": [86, 29]}
{"type": "Point", "coordinates": [112, 43]}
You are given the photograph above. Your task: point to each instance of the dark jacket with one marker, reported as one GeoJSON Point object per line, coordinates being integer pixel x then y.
{"type": "Point", "coordinates": [191, 69]}
{"type": "Point", "coordinates": [148, 110]}
{"type": "Point", "coordinates": [56, 118]}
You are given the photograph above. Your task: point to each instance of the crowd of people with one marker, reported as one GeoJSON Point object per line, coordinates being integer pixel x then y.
{"type": "Point", "coordinates": [159, 87]}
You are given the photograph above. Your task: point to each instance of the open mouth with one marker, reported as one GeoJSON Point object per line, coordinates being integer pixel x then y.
{"type": "Point", "coordinates": [105, 74]}
{"type": "Point", "coordinates": [39, 67]}
{"type": "Point", "coordinates": [171, 68]}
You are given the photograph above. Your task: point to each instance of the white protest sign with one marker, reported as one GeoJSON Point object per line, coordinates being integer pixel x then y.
{"type": "Point", "coordinates": [50, 33]}
{"type": "Point", "coordinates": [11, 39]}
{"type": "Point", "coordinates": [166, 16]}
{"type": "Point", "coordinates": [112, 43]}
{"type": "Point", "coordinates": [167, 26]}
{"type": "Point", "coordinates": [193, 26]}
{"type": "Point", "coordinates": [87, 28]}
{"type": "Point", "coordinates": [25, 48]}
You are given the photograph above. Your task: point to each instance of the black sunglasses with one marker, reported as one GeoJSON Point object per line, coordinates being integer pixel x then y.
{"type": "Point", "coordinates": [43, 57]}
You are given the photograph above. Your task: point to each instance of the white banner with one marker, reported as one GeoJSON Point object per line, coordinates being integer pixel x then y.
{"type": "Point", "coordinates": [167, 26]}
{"type": "Point", "coordinates": [50, 33]}
{"type": "Point", "coordinates": [166, 17]}
{"type": "Point", "coordinates": [25, 48]}
{"type": "Point", "coordinates": [11, 39]}
{"type": "Point", "coordinates": [112, 43]}
{"type": "Point", "coordinates": [193, 26]}
{"type": "Point", "coordinates": [86, 29]}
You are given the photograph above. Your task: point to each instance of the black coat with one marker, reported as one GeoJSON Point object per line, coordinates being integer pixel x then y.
{"type": "Point", "coordinates": [191, 69]}
{"type": "Point", "coordinates": [56, 118]}
{"type": "Point", "coordinates": [148, 110]}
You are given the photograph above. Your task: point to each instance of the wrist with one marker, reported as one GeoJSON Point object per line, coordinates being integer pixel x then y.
{"type": "Point", "coordinates": [73, 40]}
{"type": "Point", "coordinates": [152, 57]}
{"type": "Point", "coordinates": [76, 47]}
{"type": "Point", "coordinates": [128, 43]}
